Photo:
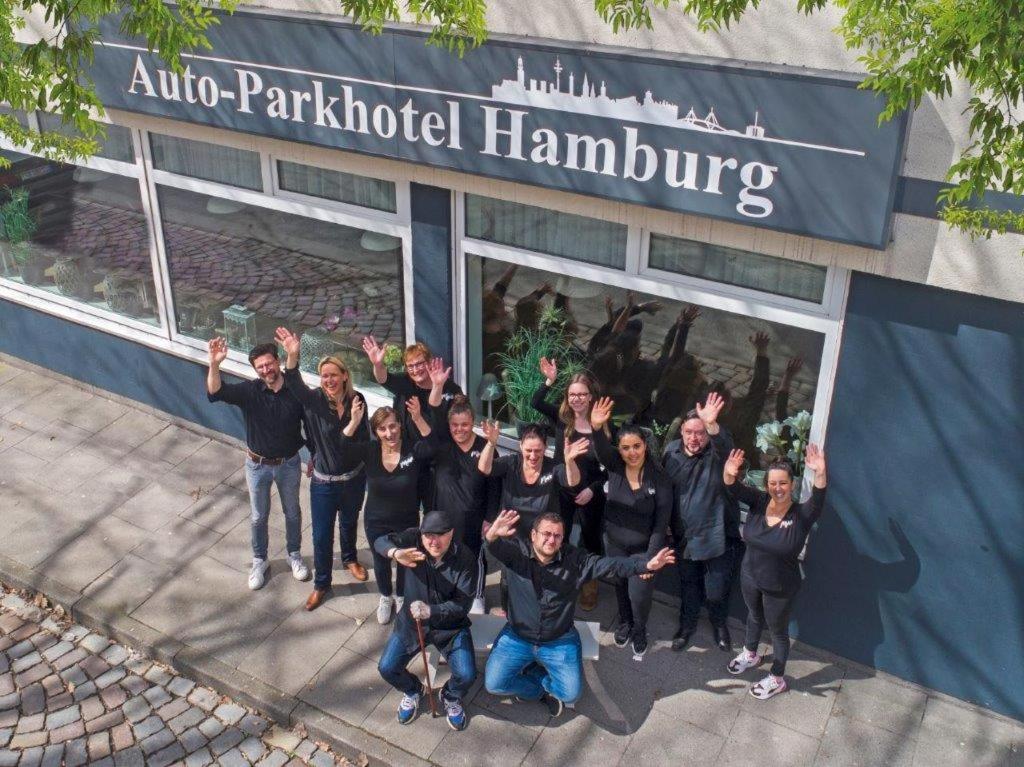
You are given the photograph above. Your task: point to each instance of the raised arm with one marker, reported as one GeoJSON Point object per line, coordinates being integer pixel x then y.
{"type": "Point", "coordinates": [782, 395]}
{"type": "Point", "coordinates": [548, 369]}
{"type": "Point", "coordinates": [572, 451]}
{"type": "Point", "coordinates": [218, 351]}
{"type": "Point", "coordinates": [708, 412]}
{"type": "Point", "coordinates": [623, 567]}
{"type": "Point", "coordinates": [600, 415]}
{"type": "Point", "coordinates": [412, 404]}
{"type": "Point", "coordinates": [375, 353]}
{"type": "Point", "coordinates": [292, 376]}
{"type": "Point", "coordinates": [486, 461]}
{"type": "Point", "coordinates": [730, 475]}
{"type": "Point", "coordinates": [439, 375]}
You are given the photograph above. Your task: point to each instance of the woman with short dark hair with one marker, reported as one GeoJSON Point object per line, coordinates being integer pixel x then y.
{"type": "Point", "coordinates": [775, 533]}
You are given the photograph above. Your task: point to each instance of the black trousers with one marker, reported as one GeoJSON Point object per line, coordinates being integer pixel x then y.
{"type": "Point", "coordinates": [772, 608]}
{"type": "Point", "coordinates": [590, 519]}
{"type": "Point", "coordinates": [381, 564]}
{"type": "Point", "coordinates": [707, 581]}
{"type": "Point", "coordinates": [634, 594]}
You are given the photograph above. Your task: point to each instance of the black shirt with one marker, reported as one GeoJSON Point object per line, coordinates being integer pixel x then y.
{"type": "Point", "coordinates": [701, 513]}
{"type": "Point", "coordinates": [400, 385]}
{"type": "Point", "coordinates": [459, 487]}
{"type": "Point", "coordinates": [323, 426]}
{"type": "Point", "coordinates": [772, 558]}
{"type": "Point", "coordinates": [591, 472]}
{"type": "Point", "coordinates": [273, 420]}
{"type": "Point", "coordinates": [529, 500]}
{"type": "Point", "coordinates": [391, 499]}
{"type": "Point", "coordinates": [447, 586]}
{"type": "Point", "coordinates": [542, 598]}
{"type": "Point", "coordinates": [637, 520]}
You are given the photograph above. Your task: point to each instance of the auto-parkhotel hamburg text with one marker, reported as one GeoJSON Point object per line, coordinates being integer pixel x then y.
{"type": "Point", "coordinates": [509, 133]}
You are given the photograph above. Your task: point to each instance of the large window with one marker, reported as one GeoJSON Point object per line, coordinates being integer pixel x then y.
{"type": "Point", "coordinates": [241, 271]}
{"type": "Point", "coordinates": [77, 232]}
{"type": "Point", "coordinates": [210, 162]}
{"type": "Point", "coordinates": [654, 355]}
{"type": "Point", "coordinates": [114, 144]}
{"type": "Point", "coordinates": [337, 186]}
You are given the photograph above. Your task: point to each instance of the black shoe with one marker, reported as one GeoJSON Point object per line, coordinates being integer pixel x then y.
{"type": "Point", "coordinates": [622, 634]}
{"type": "Point", "coordinates": [722, 638]}
{"type": "Point", "coordinates": [639, 645]}
{"type": "Point", "coordinates": [681, 639]}
{"type": "Point", "coordinates": [555, 706]}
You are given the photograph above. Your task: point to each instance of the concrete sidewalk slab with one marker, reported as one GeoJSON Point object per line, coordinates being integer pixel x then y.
{"type": "Point", "coordinates": [138, 524]}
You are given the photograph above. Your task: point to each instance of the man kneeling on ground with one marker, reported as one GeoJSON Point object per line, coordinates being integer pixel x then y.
{"type": "Point", "coordinates": [537, 656]}
{"type": "Point", "coordinates": [438, 591]}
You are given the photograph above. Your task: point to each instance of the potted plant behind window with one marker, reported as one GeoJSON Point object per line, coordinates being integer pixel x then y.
{"type": "Point", "coordinates": [520, 363]}
{"type": "Point", "coordinates": [782, 439]}
{"type": "Point", "coordinates": [17, 227]}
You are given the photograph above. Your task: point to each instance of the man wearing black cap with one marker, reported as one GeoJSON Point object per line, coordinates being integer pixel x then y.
{"type": "Point", "coordinates": [538, 655]}
{"type": "Point", "coordinates": [438, 591]}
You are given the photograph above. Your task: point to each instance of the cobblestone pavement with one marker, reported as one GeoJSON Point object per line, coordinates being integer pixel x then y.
{"type": "Point", "coordinates": [70, 696]}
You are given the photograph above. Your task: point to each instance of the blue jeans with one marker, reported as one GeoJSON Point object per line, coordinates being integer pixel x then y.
{"type": "Point", "coordinates": [461, 661]}
{"type": "Point", "coordinates": [327, 501]}
{"type": "Point", "coordinates": [260, 477]}
{"type": "Point", "coordinates": [561, 675]}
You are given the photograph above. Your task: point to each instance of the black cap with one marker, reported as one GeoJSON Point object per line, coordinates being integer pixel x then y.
{"type": "Point", "coordinates": [436, 522]}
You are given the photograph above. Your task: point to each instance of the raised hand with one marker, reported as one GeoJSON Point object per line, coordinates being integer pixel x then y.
{"type": "Point", "coordinates": [792, 368]}
{"type": "Point", "coordinates": [218, 349]}
{"type": "Point", "coordinates": [760, 341]}
{"type": "Point", "coordinates": [688, 315]}
{"type": "Point", "coordinates": [504, 525]}
{"type": "Point", "coordinates": [549, 370]}
{"type": "Point", "coordinates": [734, 463]}
{"type": "Point", "coordinates": [412, 404]}
{"type": "Point", "coordinates": [409, 557]}
{"type": "Point", "coordinates": [374, 351]}
{"type": "Point", "coordinates": [358, 410]}
{"type": "Point", "coordinates": [438, 372]}
{"type": "Point", "coordinates": [601, 413]}
{"type": "Point", "coordinates": [289, 341]}
{"type": "Point", "coordinates": [650, 307]}
{"type": "Point", "coordinates": [491, 431]}
{"type": "Point", "coordinates": [708, 412]}
{"type": "Point", "coordinates": [574, 450]}
{"type": "Point", "coordinates": [814, 459]}
{"type": "Point", "coordinates": [663, 558]}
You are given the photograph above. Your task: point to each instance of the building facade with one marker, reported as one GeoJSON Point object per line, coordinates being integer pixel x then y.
{"type": "Point", "coordinates": [735, 191]}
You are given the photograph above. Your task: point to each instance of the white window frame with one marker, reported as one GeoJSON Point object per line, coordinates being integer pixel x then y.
{"type": "Point", "coordinates": [825, 318]}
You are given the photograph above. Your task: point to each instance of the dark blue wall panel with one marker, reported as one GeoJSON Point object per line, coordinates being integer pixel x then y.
{"type": "Point", "coordinates": [163, 381]}
{"type": "Point", "coordinates": [917, 567]}
{"type": "Point", "coordinates": [431, 267]}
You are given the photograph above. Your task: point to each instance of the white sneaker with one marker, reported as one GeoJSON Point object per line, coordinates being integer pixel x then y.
{"type": "Point", "coordinates": [478, 607]}
{"type": "Point", "coordinates": [258, 573]}
{"type": "Point", "coordinates": [743, 661]}
{"type": "Point", "coordinates": [299, 569]}
{"type": "Point", "coordinates": [399, 601]}
{"type": "Point", "coordinates": [769, 687]}
{"type": "Point", "coordinates": [384, 610]}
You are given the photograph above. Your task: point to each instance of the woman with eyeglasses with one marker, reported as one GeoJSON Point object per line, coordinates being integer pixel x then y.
{"type": "Point", "coordinates": [338, 482]}
{"type": "Point", "coordinates": [571, 420]}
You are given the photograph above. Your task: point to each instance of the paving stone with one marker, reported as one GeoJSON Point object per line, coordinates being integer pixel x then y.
{"type": "Point", "coordinates": [284, 739]}
{"type": "Point", "coordinates": [58, 650]}
{"type": "Point", "coordinates": [94, 643]}
{"type": "Point", "coordinates": [74, 633]}
{"type": "Point", "coordinates": [11, 700]}
{"type": "Point", "coordinates": [157, 696]}
{"type": "Point", "coordinates": [69, 659]}
{"type": "Point", "coordinates": [62, 717]}
{"type": "Point", "coordinates": [68, 732]}
{"type": "Point", "coordinates": [322, 759]}
{"type": "Point", "coordinates": [199, 758]}
{"type": "Point", "coordinates": [134, 684]}
{"type": "Point", "coordinates": [94, 665]}
{"type": "Point", "coordinates": [136, 709]}
{"type": "Point", "coordinates": [180, 686]}
{"type": "Point", "coordinates": [138, 664]}
{"type": "Point", "coordinates": [230, 738]}
{"type": "Point", "coordinates": [147, 727]}
{"type": "Point", "coordinates": [20, 650]}
{"type": "Point", "coordinates": [75, 753]}
{"type": "Point", "coordinates": [305, 749]}
{"type": "Point", "coordinates": [6, 683]}
{"type": "Point", "coordinates": [52, 685]}
{"type": "Point", "coordinates": [53, 756]}
{"type": "Point", "coordinates": [157, 741]}
{"type": "Point", "coordinates": [31, 757]}
{"type": "Point", "coordinates": [28, 740]}
{"type": "Point", "coordinates": [170, 754]}
{"type": "Point", "coordinates": [205, 698]}
{"type": "Point", "coordinates": [273, 759]}
{"type": "Point", "coordinates": [115, 654]}
{"type": "Point", "coordinates": [229, 713]}
{"type": "Point", "coordinates": [108, 720]}
{"type": "Point", "coordinates": [192, 739]}
{"type": "Point", "coordinates": [188, 719]}
{"type": "Point", "coordinates": [252, 747]}
{"type": "Point", "coordinates": [26, 662]}
{"type": "Point", "coordinates": [34, 674]}
{"type": "Point", "coordinates": [31, 723]}
{"type": "Point", "coordinates": [158, 675]}
{"type": "Point", "coordinates": [92, 707]}
{"type": "Point", "coordinates": [131, 757]}
{"type": "Point", "coordinates": [9, 718]}
{"type": "Point", "coordinates": [43, 640]}
{"type": "Point", "coordinates": [84, 690]}
{"type": "Point", "coordinates": [110, 677]}
{"type": "Point", "coordinates": [9, 758]}
{"type": "Point", "coordinates": [5, 735]}
{"type": "Point", "coordinates": [232, 758]}
{"type": "Point", "coordinates": [33, 699]}
{"type": "Point", "coordinates": [122, 736]}
{"type": "Point", "coordinates": [173, 709]}
{"type": "Point", "coordinates": [113, 696]}
{"type": "Point", "coordinates": [211, 727]}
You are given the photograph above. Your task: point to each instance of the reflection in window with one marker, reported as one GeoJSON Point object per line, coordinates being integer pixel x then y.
{"type": "Point", "coordinates": [654, 356]}
{"type": "Point", "coordinates": [240, 272]}
{"type": "Point", "coordinates": [210, 162]}
{"type": "Point", "coordinates": [335, 185]}
{"type": "Point", "coordinates": [738, 267]}
{"type": "Point", "coordinates": [116, 145]}
{"type": "Point", "coordinates": [546, 231]}
{"type": "Point", "coordinates": [77, 232]}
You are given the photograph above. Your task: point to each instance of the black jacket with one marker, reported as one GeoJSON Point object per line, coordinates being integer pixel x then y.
{"type": "Point", "coordinates": [448, 587]}
{"type": "Point", "coordinates": [323, 426]}
{"type": "Point", "coordinates": [542, 598]}
{"type": "Point", "coordinates": [701, 513]}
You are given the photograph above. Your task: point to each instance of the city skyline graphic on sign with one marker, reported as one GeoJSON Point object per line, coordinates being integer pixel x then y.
{"type": "Point", "coordinates": [594, 100]}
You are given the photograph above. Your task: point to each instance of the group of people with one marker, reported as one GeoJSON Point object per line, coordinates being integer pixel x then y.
{"type": "Point", "coordinates": [436, 498]}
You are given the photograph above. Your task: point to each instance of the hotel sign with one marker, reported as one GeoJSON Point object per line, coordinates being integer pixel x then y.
{"type": "Point", "coordinates": [795, 152]}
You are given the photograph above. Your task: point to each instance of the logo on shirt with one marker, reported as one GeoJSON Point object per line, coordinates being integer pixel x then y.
{"type": "Point", "coordinates": [651, 491]}
{"type": "Point", "coordinates": [606, 491]}
{"type": "Point", "coordinates": [474, 453]}
{"type": "Point", "coordinates": [406, 462]}
{"type": "Point", "coordinates": [545, 479]}
{"type": "Point", "coordinates": [786, 523]}
{"type": "Point", "coordinates": [447, 397]}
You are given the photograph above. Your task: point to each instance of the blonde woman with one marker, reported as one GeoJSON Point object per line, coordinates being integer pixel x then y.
{"type": "Point", "coordinates": [338, 482]}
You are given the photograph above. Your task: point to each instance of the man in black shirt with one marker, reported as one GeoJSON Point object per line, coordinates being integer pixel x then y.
{"type": "Point", "coordinates": [273, 436]}
{"type": "Point", "coordinates": [438, 591]}
{"type": "Point", "coordinates": [537, 655]}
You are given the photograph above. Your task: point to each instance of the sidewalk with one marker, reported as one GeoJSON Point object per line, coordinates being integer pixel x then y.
{"type": "Point", "coordinates": [140, 528]}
